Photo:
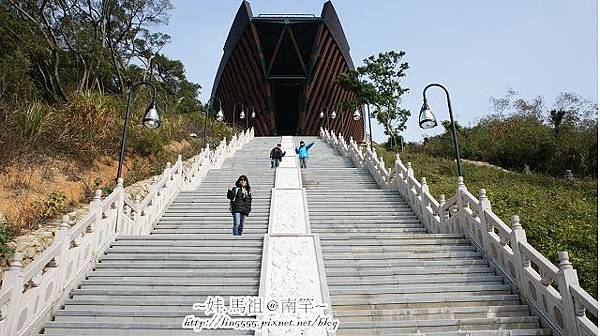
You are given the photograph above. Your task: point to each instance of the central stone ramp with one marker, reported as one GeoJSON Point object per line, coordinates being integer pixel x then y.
{"type": "Point", "coordinates": [146, 285]}
{"type": "Point", "coordinates": [387, 275]}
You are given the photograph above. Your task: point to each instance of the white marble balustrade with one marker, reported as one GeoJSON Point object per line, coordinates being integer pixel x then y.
{"type": "Point", "coordinates": [563, 309]}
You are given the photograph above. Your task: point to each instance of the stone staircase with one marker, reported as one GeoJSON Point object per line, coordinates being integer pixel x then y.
{"type": "Point", "coordinates": [387, 275]}
{"type": "Point", "coordinates": [146, 285]}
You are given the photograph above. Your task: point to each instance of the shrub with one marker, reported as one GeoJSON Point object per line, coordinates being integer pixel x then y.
{"type": "Point", "coordinates": [577, 150]}
{"type": "Point", "coordinates": [523, 140]}
{"type": "Point", "coordinates": [518, 140]}
{"type": "Point", "coordinates": [149, 141]}
{"type": "Point", "coordinates": [7, 233]}
{"type": "Point", "coordinates": [89, 124]}
{"type": "Point", "coordinates": [32, 120]}
{"type": "Point", "coordinates": [108, 188]}
{"type": "Point", "coordinates": [49, 208]}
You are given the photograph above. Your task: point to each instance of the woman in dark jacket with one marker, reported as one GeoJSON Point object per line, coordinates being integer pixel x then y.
{"type": "Point", "coordinates": [240, 204]}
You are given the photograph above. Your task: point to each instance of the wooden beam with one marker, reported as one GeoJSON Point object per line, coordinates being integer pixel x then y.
{"type": "Point", "coordinates": [276, 50]}
{"type": "Point", "coordinates": [298, 53]}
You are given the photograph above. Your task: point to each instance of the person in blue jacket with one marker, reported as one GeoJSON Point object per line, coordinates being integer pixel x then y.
{"type": "Point", "coordinates": [302, 152]}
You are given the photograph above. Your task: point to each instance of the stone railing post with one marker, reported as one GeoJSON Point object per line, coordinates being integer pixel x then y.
{"type": "Point", "coordinates": [395, 178]}
{"type": "Point", "coordinates": [120, 205]}
{"type": "Point", "coordinates": [518, 237]}
{"type": "Point", "coordinates": [442, 215]}
{"type": "Point", "coordinates": [13, 279]}
{"type": "Point", "coordinates": [423, 204]}
{"type": "Point", "coordinates": [380, 167]}
{"type": "Point", "coordinates": [179, 172]}
{"type": "Point", "coordinates": [384, 172]}
{"type": "Point", "coordinates": [136, 215]}
{"type": "Point", "coordinates": [410, 196]}
{"type": "Point", "coordinates": [166, 170]}
{"type": "Point", "coordinates": [94, 207]}
{"type": "Point", "coordinates": [96, 203]}
{"type": "Point", "coordinates": [567, 278]}
{"type": "Point", "coordinates": [62, 238]}
{"type": "Point", "coordinates": [460, 188]}
{"type": "Point", "coordinates": [486, 228]}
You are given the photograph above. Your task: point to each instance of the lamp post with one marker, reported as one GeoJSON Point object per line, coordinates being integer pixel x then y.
{"type": "Point", "coordinates": [356, 116]}
{"type": "Point", "coordinates": [370, 130]}
{"type": "Point", "coordinates": [151, 119]}
{"type": "Point", "coordinates": [243, 117]}
{"type": "Point", "coordinates": [246, 117]}
{"type": "Point", "coordinates": [427, 120]}
{"type": "Point", "coordinates": [340, 108]}
{"type": "Point", "coordinates": [321, 116]}
{"type": "Point", "coordinates": [333, 115]}
{"type": "Point", "coordinates": [253, 116]}
{"type": "Point", "coordinates": [341, 111]}
{"type": "Point", "coordinates": [209, 107]}
{"type": "Point", "coordinates": [242, 112]}
{"type": "Point", "coordinates": [343, 117]}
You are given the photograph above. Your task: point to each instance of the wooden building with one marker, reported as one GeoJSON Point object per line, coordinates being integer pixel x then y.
{"type": "Point", "coordinates": [284, 68]}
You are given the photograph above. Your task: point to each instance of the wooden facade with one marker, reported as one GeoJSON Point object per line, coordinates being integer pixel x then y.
{"type": "Point", "coordinates": [284, 67]}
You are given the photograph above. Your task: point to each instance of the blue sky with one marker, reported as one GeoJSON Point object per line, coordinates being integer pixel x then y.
{"type": "Point", "coordinates": [477, 49]}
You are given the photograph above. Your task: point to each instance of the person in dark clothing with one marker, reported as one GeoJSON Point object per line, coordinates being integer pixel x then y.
{"type": "Point", "coordinates": [240, 204]}
{"type": "Point", "coordinates": [276, 156]}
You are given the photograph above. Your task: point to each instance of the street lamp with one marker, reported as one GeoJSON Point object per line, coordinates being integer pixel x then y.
{"type": "Point", "coordinates": [333, 115]}
{"type": "Point", "coordinates": [151, 119]}
{"type": "Point", "coordinates": [252, 116]}
{"type": "Point", "coordinates": [370, 131]}
{"type": "Point", "coordinates": [427, 120]}
{"type": "Point", "coordinates": [209, 107]}
{"type": "Point", "coordinates": [321, 116]}
{"type": "Point", "coordinates": [242, 115]}
{"type": "Point", "coordinates": [342, 111]}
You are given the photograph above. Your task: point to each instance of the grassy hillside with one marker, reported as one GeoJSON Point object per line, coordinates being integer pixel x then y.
{"type": "Point", "coordinates": [555, 216]}
{"type": "Point", "coordinates": [47, 170]}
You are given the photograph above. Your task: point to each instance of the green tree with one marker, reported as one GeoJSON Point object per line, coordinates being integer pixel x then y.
{"type": "Point", "coordinates": [75, 46]}
{"type": "Point", "coordinates": [524, 132]}
{"type": "Point", "coordinates": [172, 82]}
{"type": "Point", "coordinates": [571, 111]}
{"type": "Point", "coordinates": [377, 83]}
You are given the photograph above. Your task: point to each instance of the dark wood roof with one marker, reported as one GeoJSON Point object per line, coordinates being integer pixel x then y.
{"type": "Point", "coordinates": [306, 52]}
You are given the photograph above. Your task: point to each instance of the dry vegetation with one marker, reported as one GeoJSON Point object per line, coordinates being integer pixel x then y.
{"type": "Point", "coordinates": [53, 158]}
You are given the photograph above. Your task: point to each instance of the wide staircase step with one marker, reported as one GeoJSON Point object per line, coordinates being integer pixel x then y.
{"type": "Point", "coordinates": [387, 275]}
{"type": "Point", "coordinates": [146, 285]}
